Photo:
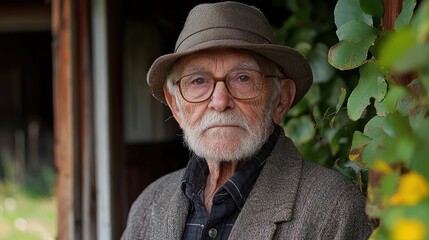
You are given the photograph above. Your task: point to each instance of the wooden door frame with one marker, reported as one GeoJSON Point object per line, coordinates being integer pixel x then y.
{"type": "Point", "coordinates": [73, 120]}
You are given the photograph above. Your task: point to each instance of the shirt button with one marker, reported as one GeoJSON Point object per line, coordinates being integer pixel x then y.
{"type": "Point", "coordinates": [212, 233]}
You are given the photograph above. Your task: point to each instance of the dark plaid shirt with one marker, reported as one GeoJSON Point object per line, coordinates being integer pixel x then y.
{"type": "Point", "coordinates": [227, 201]}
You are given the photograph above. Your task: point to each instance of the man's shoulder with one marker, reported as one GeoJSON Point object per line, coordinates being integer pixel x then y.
{"type": "Point", "coordinates": [165, 184]}
{"type": "Point", "coordinates": [311, 175]}
{"type": "Point", "coordinates": [335, 201]}
{"type": "Point", "coordinates": [153, 199]}
{"type": "Point", "coordinates": [324, 178]}
{"type": "Point", "coordinates": [161, 189]}
{"type": "Point", "coordinates": [328, 188]}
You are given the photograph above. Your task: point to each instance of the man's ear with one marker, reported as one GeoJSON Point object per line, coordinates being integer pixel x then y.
{"type": "Point", "coordinates": [171, 102]}
{"type": "Point", "coordinates": [287, 95]}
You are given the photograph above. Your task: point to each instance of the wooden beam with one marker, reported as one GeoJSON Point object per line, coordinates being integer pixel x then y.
{"type": "Point", "coordinates": [73, 119]}
{"type": "Point", "coordinates": [64, 118]}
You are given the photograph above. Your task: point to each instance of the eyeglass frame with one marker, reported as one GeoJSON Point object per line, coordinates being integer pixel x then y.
{"type": "Point", "coordinates": [223, 79]}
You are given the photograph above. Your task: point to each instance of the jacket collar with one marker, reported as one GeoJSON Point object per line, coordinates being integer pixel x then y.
{"type": "Point", "coordinates": [175, 217]}
{"type": "Point", "coordinates": [279, 180]}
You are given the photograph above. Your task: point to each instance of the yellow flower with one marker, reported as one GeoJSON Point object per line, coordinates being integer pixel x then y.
{"type": "Point", "coordinates": [412, 188]}
{"type": "Point", "coordinates": [408, 229]}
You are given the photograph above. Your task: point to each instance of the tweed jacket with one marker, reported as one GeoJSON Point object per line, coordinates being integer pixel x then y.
{"type": "Point", "coordinates": [291, 199]}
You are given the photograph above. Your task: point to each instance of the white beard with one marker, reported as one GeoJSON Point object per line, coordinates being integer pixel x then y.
{"type": "Point", "coordinates": [226, 144]}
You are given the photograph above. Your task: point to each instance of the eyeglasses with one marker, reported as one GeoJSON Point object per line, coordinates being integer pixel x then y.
{"type": "Point", "coordinates": [242, 84]}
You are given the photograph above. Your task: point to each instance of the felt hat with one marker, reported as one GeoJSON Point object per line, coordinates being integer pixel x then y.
{"type": "Point", "coordinates": [230, 25]}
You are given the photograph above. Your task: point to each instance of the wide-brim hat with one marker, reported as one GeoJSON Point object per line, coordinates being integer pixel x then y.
{"type": "Point", "coordinates": [230, 25]}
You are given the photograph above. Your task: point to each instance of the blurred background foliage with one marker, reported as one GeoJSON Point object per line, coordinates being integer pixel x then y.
{"type": "Point", "coordinates": [320, 127]}
{"type": "Point", "coordinates": [27, 201]}
{"type": "Point", "coordinates": [367, 114]}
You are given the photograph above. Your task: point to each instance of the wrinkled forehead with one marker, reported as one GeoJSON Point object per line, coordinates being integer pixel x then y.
{"type": "Point", "coordinates": [225, 58]}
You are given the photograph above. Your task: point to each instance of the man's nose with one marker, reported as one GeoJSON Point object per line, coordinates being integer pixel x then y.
{"type": "Point", "coordinates": [221, 99]}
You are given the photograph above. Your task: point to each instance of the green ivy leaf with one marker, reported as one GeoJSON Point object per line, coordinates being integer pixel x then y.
{"type": "Point", "coordinates": [407, 104]}
{"type": "Point", "coordinates": [406, 14]}
{"type": "Point", "coordinates": [405, 148]}
{"type": "Point", "coordinates": [374, 127]}
{"type": "Point", "coordinates": [347, 55]}
{"type": "Point", "coordinates": [416, 57]}
{"type": "Point", "coordinates": [401, 51]}
{"type": "Point", "coordinates": [388, 183]}
{"type": "Point", "coordinates": [390, 101]}
{"type": "Point", "coordinates": [300, 129]}
{"type": "Point", "coordinates": [401, 145]}
{"type": "Point", "coordinates": [351, 52]}
{"type": "Point", "coordinates": [371, 85]}
{"type": "Point", "coordinates": [419, 161]}
{"type": "Point", "coordinates": [420, 22]}
{"type": "Point", "coordinates": [419, 121]}
{"type": "Point", "coordinates": [346, 10]}
{"type": "Point", "coordinates": [381, 109]}
{"type": "Point", "coordinates": [357, 31]}
{"type": "Point", "coordinates": [396, 125]}
{"type": "Point", "coordinates": [424, 82]}
{"type": "Point", "coordinates": [374, 130]}
{"type": "Point", "coordinates": [372, 150]}
{"type": "Point", "coordinates": [395, 45]}
{"type": "Point", "coordinates": [372, 7]}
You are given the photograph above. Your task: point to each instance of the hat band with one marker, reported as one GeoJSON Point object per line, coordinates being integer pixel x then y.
{"type": "Point", "coordinates": [218, 35]}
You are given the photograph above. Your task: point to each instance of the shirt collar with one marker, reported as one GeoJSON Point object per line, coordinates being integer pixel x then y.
{"type": "Point", "coordinates": [194, 179]}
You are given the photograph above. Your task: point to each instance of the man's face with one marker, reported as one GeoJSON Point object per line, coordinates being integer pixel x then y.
{"type": "Point", "coordinates": [223, 128]}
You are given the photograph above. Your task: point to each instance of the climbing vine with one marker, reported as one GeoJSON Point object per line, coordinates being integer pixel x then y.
{"type": "Point", "coordinates": [393, 80]}
{"type": "Point", "coordinates": [367, 114]}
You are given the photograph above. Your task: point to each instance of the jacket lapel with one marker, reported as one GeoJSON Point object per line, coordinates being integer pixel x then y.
{"type": "Point", "coordinates": [273, 196]}
{"type": "Point", "coordinates": [174, 220]}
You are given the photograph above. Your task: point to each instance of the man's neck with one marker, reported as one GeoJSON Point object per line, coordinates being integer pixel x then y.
{"type": "Point", "coordinates": [219, 173]}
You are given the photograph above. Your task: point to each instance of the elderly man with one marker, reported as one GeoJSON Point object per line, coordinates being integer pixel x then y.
{"type": "Point", "coordinates": [228, 86]}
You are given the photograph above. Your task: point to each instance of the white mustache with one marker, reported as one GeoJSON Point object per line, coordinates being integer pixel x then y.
{"type": "Point", "coordinates": [212, 119]}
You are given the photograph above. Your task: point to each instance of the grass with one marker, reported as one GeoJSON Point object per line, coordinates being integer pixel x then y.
{"type": "Point", "coordinates": [25, 217]}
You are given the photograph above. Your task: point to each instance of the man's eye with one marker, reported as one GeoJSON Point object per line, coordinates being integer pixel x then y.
{"type": "Point", "coordinates": [244, 78]}
{"type": "Point", "coordinates": [198, 81]}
